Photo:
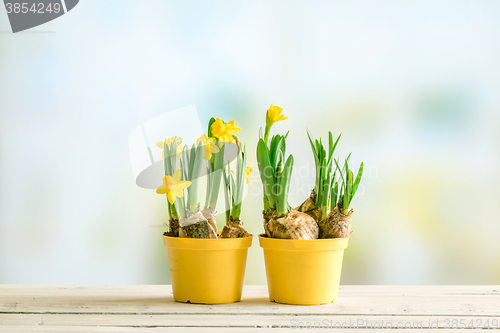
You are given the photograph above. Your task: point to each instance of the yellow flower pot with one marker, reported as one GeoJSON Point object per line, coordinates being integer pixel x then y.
{"type": "Point", "coordinates": [208, 271]}
{"type": "Point", "coordinates": [305, 272]}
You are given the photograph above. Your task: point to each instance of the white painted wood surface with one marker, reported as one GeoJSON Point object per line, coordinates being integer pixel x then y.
{"type": "Point", "coordinates": [151, 309]}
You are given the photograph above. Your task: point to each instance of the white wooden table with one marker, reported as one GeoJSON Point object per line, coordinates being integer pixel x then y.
{"type": "Point", "coordinates": [27, 308]}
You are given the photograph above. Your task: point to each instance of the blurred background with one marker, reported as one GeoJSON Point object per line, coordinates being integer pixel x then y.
{"type": "Point", "coordinates": [413, 86]}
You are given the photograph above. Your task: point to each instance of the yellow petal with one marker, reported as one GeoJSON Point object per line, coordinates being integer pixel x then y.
{"type": "Point", "coordinates": [232, 128]}
{"type": "Point", "coordinates": [184, 184]}
{"type": "Point", "coordinates": [202, 138]}
{"type": "Point", "coordinates": [176, 177]}
{"type": "Point", "coordinates": [160, 144]}
{"type": "Point", "coordinates": [218, 127]}
{"type": "Point", "coordinates": [207, 153]}
{"type": "Point", "coordinates": [214, 148]}
{"type": "Point", "coordinates": [180, 149]}
{"type": "Point", "coordinates": [169, 141]}
{"type": "Point", "coordinates": [274, 114]}
{"type": "Point", "coordinates": [170, 198]}
{"type": "Point", "coordinates": [167, 180]}
{"type": "Point", "coordinates": [247, 172]}
{"type": "Point", "coordinates": [162, 189]}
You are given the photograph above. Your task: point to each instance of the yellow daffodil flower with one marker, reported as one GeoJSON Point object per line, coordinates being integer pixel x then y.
{"type": "Point", "coordinates": [173, 186]}
{"type": "Point", "coordinates": [274, 114]}
{"type": "Point", "coordinates": [210, 146]}
{"type": "Point", "coordinates": [180, 148]}
{"type": "Point", "coordinates": [224, 131]}
{"type": "Point", "coordinates": [247, 172]}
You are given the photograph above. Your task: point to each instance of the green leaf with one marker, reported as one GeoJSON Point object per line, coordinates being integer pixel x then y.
{"type": "Point", "coordinates": [313, 147]}
{"type": "Point", "coordinates": [318, 147]}
{"type": "Point", "coordinates": [321, 177]}
{"type": "Point", "coordinates": [316, 160]}
{"type": "Point", "coordinates": [198, 160]}
{"type": "Point", "coordinates": [278, 166]}
{"type": "Point", "coordinates": [274, 143]}
{"type": "Point", "coordinates": [173, 155]}
{"type": "Point", "coordinates": [282, 207]}
{"type": "Point", "coordinates": [166, 162]}
{"type": "Point", "coordinates": [332, 148]}
{"type": "Point", "coordinates": [334, 196]}
{"type": "Point", "coordinates": [189, 157]}
{"type": "Point", "coordinates": [349, 157]}
{"type": "Point", "coordinates": [242, 175]}
{"type": "Point", "coordinates": [358, 180]}
{"type": "Point", "coordinates": [348, 182]}
{"type": "Point", "coordinates": [184, 175]}
{"type": "Point", "coordinates": [210, 123]}
{"type": "Point", "coordinates": [217, 169]}
{"type": "Point", "coordinates": [341, 175]}
{"type": "Point", "coordinates": [266, 171]}
{"type": "Point", "coordinates": [275, 147]}
{"type": "Point", "coordinates": [330, 143]}
{"type": "Point", "coordinates": [209, 181]}
{"type": "Point", "coordinates": [227, 192]}
{"type": "Point", "coordinates": [232, 189]}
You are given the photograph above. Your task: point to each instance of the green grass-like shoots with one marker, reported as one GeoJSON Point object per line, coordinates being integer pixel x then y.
{"type": "Point", "coordinates": [348, 187]}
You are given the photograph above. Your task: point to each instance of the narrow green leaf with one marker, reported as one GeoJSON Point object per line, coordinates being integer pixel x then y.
{"type": "Point", "coordinates": [192, 160]}
{"type": "Point", "coordinates": [311, 140]}
{"type": "Point", "coordinates": [217, 169]}
{"type": "Point", "coordinates": [285, 178]}
{"type": "Point", "coordinates": [334, 196]}
{"type": "Point", "coordinates": [274, 147]}
{"type": "Point", "coordinates": [343, 186]}
{"type": "Point", "coordinates": [358, 180]}
{"type": "Point", "coordinates": [173, 155]}
{"type": "Point", "coordinates": [227, 192]}
{"type": "Point", "coordinates": [348, 182]}
{"type": "Point", "coordinates": [242, 175]}
{"type": "Point", "coordinates": [166, 156]}
{"type": "Point", "coordinates": [266, 171]}
{"type": "Point", "coordinates": [232, 189]}
{"type": "Point", "coordinates": [210, 123]}
{"type": "Point", "coordinates": [330, 143]}
{"type": "Point", "coordinates": [209, 181]}
{"type": "Point", "coordinates": [332, 148]}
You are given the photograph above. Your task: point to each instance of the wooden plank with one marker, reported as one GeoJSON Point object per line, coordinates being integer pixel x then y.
{"type": "Point", "coordinates": [353, 300]}
{"type": "Point", "coordinates": [152, 309]}
{"type": "Point", "coordinates": [246, 321]}
{"type": "Point", "coordinates": [71, 329]}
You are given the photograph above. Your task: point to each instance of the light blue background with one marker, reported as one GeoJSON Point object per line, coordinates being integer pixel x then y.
{"type": "Point", "coordinates": [412, 85]}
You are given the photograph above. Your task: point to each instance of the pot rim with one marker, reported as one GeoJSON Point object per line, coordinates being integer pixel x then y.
{"type": "Point", "coordinates": [208, 243]}
{"type": "Point", "coordinates": [328, 244]}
